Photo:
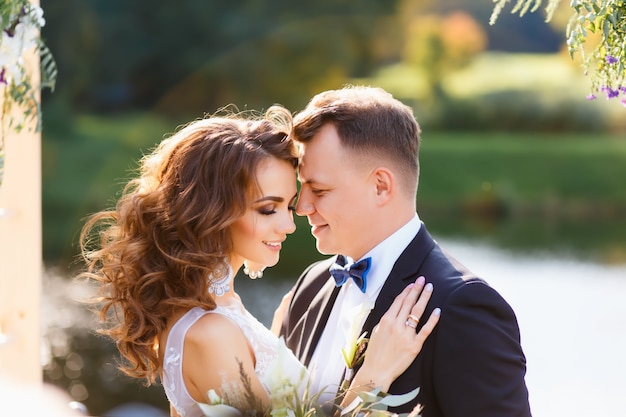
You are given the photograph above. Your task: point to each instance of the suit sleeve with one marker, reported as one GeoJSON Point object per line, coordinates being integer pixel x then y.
{"type": "Point", "coordinates": [479, 365]}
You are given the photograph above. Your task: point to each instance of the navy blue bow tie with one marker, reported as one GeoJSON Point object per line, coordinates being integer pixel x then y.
{"type": "Point", "coordinates": [341, 270]}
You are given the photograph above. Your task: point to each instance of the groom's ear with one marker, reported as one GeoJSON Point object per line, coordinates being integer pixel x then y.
{"type": "Point", "coordinates": [384, 182]}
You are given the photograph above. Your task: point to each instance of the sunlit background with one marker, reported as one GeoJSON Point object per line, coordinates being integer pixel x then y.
{"type": "Point", "coordinates": [522, 178]}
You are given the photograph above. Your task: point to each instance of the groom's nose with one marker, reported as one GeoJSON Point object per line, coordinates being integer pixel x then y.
{"type": "Point", "coordinates": [304, 205]}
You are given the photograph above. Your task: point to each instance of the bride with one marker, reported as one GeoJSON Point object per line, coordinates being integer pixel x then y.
{"type": "Point", "coordinates": [215, 197]}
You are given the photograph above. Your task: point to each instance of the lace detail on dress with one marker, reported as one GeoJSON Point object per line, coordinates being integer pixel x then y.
{"type": "Point", "coordinates": [270, 352]}
{"type": "Point", "coordinates": [171, 362]}
{"type": "Point", "coordinates": [263, 342]}
{"type": "Point", "coordinates": [173, 383]}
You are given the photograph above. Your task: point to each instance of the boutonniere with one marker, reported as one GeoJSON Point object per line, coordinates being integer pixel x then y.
{"type": "Point", "coordinates": [353, 358]}
{"type": "Point", "coordinates": [353, 351]}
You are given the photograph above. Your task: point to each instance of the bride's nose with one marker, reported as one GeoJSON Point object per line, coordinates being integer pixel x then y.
{"type": "Point", "coordinates": [287, 225]}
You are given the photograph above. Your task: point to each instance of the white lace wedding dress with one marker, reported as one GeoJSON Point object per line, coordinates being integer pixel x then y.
{"type": "Point", "coordinates": [275, 363]}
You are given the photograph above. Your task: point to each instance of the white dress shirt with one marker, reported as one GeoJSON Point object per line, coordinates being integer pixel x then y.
{"type": "Point", "coordinates": [327, 365]}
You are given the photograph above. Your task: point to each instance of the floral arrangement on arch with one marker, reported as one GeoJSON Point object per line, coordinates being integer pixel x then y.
{"type": "Point", "coordinates": [20, 24]}
{"type": "Point", "coordinates": [607, 58]}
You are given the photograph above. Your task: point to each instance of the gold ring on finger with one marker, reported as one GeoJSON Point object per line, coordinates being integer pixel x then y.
{"type": "Point", "coordinates": [411, 321]}
{"type": "Point", "coordinates": [414, 318]}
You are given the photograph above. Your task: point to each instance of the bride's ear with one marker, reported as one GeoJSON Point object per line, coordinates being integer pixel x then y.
{"type": "Point", "coordinates": [252, 269]}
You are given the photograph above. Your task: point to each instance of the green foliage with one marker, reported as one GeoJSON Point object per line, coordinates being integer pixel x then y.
{"type": "Point", "coordinates": [196, 55]}
{"type": "Point", "coordinates": [48, 67]}
{"type": "Point", "coordinates": [85, 162]}
{"type": "Point", "coordinates": [522, 7]}
{"type": "Point", "coordinates": [603, 18]}
{"type": "Point", "coordinates": [607, 18]}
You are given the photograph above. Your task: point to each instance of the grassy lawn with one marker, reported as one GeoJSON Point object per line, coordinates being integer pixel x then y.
{"type": "Point", "coordinates": [523, 168]}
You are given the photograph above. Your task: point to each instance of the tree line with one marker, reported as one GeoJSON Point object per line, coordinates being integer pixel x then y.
{"type": "Point", "coordinates": [197, 55]}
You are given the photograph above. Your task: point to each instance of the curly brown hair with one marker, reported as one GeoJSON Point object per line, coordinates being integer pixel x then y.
{"type": "Point", "coordinates": [155, 253]}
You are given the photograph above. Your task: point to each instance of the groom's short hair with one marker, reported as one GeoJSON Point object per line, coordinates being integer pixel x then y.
{"type": "Point", "coordinates": [370, 122]}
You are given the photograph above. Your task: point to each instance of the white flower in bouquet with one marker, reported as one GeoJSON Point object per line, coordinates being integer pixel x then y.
{"type": "Point", "coordinates": [217, 408]}
{"type": "Point", "coordinates": [287, 385]}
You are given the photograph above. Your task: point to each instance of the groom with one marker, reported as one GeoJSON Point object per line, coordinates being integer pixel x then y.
{"type": "Point", "coordinates": [359, 173]}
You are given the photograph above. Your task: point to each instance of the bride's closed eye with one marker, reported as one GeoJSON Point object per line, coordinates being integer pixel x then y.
{"type": "Point", "coordinates": [266, 211]}
{"type": "Point", "coordinates": [272, 204]}
{"type": "Point", "coordinates": [292, 204]}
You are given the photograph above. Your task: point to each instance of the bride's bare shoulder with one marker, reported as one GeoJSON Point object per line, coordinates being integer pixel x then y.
{"type": "Point", "coordinates": [215, 333]}
{"type": "Point", "coordinates": [215, 350]}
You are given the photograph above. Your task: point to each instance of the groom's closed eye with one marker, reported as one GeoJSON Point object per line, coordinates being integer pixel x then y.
{"type": "Point", "coordinates": [318, 191]}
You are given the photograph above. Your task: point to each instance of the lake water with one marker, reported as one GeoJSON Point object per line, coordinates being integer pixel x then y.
{"type": "Point", "coordinates": [572, 317]}
{"type": "Point", "coordinates": [571, 313]}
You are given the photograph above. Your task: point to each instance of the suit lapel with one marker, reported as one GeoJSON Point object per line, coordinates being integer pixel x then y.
{"type": "Point", "coordinates": [405, 270]}
{"type": "Point", "coordinates": [317, 316]}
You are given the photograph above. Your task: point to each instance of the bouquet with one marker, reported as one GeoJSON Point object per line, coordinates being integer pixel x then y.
{"type": "Point", "coordinates": [290, 395]}
{"type": "Point", "coordinates": [289, 388]}
{"type": "Point", "coordinates": [287, 403]}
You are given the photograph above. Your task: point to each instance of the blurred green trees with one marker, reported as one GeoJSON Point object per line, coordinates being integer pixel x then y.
{"type": "Point", "coordinates": [195, 56]}
{"type": "Point", "coordinates": [191, 56]}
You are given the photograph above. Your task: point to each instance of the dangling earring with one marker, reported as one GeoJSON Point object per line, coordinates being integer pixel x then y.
{"type": "Point", "coordinates": [220, 285]}
{"type": "Point", "coordinates": [255, 271]}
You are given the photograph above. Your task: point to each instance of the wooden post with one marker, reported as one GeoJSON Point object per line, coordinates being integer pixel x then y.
{"type": "Point", "coordinates": [21, 266]}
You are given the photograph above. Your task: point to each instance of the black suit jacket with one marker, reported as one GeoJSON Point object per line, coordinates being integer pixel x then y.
{"type": "Point", "coordinates": [471, 365]}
